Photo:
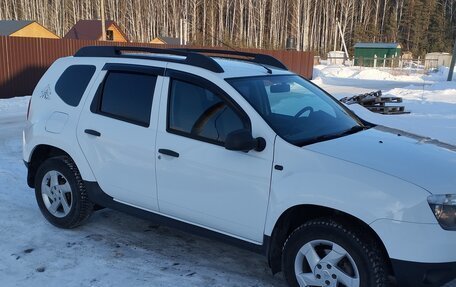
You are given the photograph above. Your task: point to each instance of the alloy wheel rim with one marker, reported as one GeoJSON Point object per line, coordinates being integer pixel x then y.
{"type": "Point", "coordinates": [56, 193]}
{"type": "Point", "coordinates": [326, 264]}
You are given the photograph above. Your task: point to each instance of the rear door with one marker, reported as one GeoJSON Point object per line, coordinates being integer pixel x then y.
{"type": "Point", "coordinates": [117, 131]}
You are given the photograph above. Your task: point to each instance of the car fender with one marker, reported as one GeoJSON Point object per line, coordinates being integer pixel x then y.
{"type": "Point", "coordinates": [35, 135]}
{"type": "Point", "coordinates": [311, 178]}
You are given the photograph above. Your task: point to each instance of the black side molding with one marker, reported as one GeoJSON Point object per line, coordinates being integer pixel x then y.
{"type": "Point", "coordinates": [97, 196]}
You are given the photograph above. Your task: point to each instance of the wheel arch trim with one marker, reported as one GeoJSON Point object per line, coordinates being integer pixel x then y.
{"type": "Point", "coordinates": [297, 215]}
{"type": "Point", "coordinates": [40, 152]}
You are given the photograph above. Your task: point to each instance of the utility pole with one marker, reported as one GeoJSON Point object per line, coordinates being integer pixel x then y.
{"type": "Point", "coordinates": [343, 39]}
{"type": "Point", "coordinates": [103, 22]}
{"type": "Point", "coordinates": [453, 61]}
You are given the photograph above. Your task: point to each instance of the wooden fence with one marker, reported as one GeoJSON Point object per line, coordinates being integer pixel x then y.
{"type": "Point", "coordinates": [24, 60]}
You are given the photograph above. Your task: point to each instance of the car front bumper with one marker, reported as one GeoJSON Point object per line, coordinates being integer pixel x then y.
{"type": "Point", "coordinates": [421, 254]}
{"type": "Point", "coordinates": [415, 274]}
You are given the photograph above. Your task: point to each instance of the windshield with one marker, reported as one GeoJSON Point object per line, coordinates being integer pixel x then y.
{"type": "Point", "coordinates": [296, 110]}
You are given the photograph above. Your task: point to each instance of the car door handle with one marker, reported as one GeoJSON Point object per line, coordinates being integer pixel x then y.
{"type": "Point", "coordinates": [168, 152]}
{"type": "Point", "coordinates": [92, 132]}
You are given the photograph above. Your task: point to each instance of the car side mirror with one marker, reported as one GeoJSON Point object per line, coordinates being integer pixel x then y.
{"type": "Point", "coordinates": [242, 140]}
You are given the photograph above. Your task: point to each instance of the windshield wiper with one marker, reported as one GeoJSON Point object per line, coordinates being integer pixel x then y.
{"type": "Point", "coordinates": [350, 131]}
{"type": "Point", "coordinates": [353, 130]}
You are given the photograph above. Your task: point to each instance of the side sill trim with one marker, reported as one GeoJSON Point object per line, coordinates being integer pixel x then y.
{"type": "Point", "coordinates": [98, 196]}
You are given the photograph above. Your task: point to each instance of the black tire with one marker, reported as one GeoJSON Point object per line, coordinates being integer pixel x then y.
{"type": "Point", "coordinates": [365, 252]}
{"type": "Point", "coordinates": [81, 208]}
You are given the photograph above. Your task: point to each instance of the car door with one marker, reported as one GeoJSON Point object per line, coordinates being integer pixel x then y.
{"type": "Point", "coordinates": [117, 130]}
{"type": "Point", "coordinates": [199, 181]}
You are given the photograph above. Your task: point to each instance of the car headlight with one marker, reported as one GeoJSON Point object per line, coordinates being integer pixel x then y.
{"type": "Point", "coordinates": [444, 208]}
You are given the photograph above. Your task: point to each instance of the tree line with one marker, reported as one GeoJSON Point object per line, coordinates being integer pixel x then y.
{"type": "Point", "coordinates": [419, 25]}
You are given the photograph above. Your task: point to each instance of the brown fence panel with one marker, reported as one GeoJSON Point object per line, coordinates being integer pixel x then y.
{"type": "Point", "coordinates": [4, 73]}
{"type": "Point", "coordinates": [24, 60]}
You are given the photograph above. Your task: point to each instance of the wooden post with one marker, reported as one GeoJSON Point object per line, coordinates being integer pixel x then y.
{"type": "Point", "coordinates": [375, 61]}
{"type": "Point", "coordinates": [384, 61]}
{"type": "Point", "coordinates": [103, 22]}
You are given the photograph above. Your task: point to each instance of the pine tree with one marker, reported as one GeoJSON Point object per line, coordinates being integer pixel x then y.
{"type": "Point", "coordinates": [438, 35]}
{"type": "Point", "coordinates": [391, 31]}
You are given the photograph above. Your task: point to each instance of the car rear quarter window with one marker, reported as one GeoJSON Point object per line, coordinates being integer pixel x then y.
{"type": "Point", "coordinates": [128, 96]}
{"type": "Point", "coordinates": [73, 82]}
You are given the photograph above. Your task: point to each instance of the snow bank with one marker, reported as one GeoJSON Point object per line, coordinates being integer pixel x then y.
{"type": "Point", "coordinates": [14, 104]}
{"type": "Point", "coordinates": [438, 92]}
{"type": "Point", "coordinates": [440, 75]}
{"type": "Point", "coordinates": [361, 73]}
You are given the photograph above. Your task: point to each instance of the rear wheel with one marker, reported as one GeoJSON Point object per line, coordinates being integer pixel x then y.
{"type": "Point", "coordinates": [61, 194]}
{"type": "Point", "coordinates": [325, 253]}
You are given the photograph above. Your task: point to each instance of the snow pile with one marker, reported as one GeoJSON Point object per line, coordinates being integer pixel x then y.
{"type": "Point", "coordinates": [440, 75]}
{"type": "Point", "coordinates": [338, 71]}
{"type": "Point", "coordinates": [361, 73]}
{"type": "Point", "coordinates": [14, 104]}
{"type": "Point", "coordinates": [438, 92]}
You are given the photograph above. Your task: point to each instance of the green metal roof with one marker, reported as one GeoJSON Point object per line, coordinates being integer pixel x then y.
{"type": "Point", "coordinates": [378, 45]}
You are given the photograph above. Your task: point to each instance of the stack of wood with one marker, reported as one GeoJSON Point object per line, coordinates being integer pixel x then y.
{"type": "Point", "coordinates": [375, 102]}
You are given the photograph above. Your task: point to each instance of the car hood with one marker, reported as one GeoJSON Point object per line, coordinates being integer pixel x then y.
{"type": "Point", "coordinates": [422, 161]}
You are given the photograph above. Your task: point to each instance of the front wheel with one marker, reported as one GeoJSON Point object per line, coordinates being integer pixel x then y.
{"type": "Point", "coordinates": [61, 194]}
{"type": "Point", "coordinates": [325, 253]}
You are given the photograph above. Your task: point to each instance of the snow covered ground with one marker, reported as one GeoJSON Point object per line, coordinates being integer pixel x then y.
{"type": "Point", "coordinates": [430, 98]}
{"type": "Point", "coordinates": [114, 249]}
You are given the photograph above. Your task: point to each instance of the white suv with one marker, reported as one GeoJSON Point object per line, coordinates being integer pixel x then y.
{"type": "Point", "coordinates": [238, 148]}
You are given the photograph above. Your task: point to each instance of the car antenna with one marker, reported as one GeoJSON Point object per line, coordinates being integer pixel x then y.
{"type": "Point", "coordinates": [269, 71]}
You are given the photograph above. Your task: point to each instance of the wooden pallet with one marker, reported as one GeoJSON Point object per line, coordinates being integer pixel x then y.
{"type": "Point", "coordinates": [387, 110]}
{"type": "Point", "coordinates": [381, 100]}
{"type": "Point", "coordinates": [376, 103]}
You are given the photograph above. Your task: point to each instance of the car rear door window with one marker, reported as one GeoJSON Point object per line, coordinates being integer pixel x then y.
{"type": "Point", "coordinates": [73, 82]}
{"type": "Point", "coordinates": [128, 96]}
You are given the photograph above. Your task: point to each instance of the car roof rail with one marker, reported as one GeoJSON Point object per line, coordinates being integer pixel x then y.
{"type": "Point", "coordinates": [191, 58]}
{"type": "Point", "coordinates": [252, 57]}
